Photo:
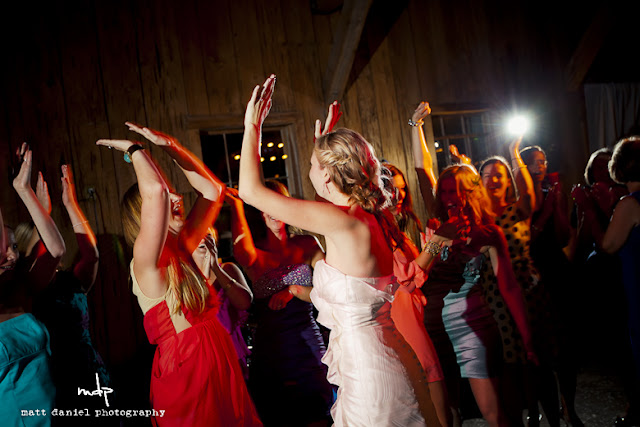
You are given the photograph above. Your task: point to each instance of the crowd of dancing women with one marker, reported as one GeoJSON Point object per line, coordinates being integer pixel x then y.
{"type": "Point", "coordinates": [485, 301]}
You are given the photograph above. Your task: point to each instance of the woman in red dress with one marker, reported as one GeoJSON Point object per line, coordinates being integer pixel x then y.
{"type": "Point", "coordinates": [196, 378]}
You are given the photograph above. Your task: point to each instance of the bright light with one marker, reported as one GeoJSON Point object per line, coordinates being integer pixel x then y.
{"type": "Point", "coordinates": [236, 157]}
{"type": "Point", "coordinates": [284, 157]}
{"type": "Point", "coordinates": [518, 125]}
{"type": "Point", "coordinates": [436, 144]}
{"type": "Point", "coordinates": [281, 145]}
{"type": "Point", "coordinates": [272, 158]}
{"type": "Point", "coordinates": [270, 144]}
{"type": "Point", "coordinates": [262, 159]}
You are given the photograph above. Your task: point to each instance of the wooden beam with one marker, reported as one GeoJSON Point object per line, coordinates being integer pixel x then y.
{"type": "Point", "coordinates": [588, 48]}
{"type": "Point", "coordinates": [352, 19]}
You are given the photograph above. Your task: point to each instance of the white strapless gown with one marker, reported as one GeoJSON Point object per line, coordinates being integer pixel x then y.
{"type": "Point", "coordinates": [374, 368]}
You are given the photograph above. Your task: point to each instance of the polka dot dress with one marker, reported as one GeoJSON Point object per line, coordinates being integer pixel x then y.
{"type": "Point", "coordinates": [517, 233]}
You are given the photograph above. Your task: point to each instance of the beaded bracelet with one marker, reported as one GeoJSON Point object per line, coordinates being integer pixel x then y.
{"type": "Point", "coordinates": [432, 248]}
{"type": "Point", "coordinates": [414, 123]}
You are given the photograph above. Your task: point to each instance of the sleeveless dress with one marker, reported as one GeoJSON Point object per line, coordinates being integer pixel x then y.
{"type": "Point", "coordinates": [195, 378]}
{"type": "Point", "coordinates": [537, 301]}
{"type": "Point", "coordinates": [287, 379]}
{"type": "Point", "coordinates": [380, 380]}
{"type": "Point", "coordinates": [25, 380]}
{"type": "Point", "coordinates": [458, 319]}
{"type": "Point", "coordinates": [630, 257]}
{"type": "Point", "coordinates": [407, 310]}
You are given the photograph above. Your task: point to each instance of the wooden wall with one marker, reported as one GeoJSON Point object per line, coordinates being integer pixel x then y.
{"type": "Point", "coordinates": [75, 71]}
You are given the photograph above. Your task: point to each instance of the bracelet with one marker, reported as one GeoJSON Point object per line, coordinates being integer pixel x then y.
{"type": "Point", "coordinates": [130, 151]}
{"type": "Point", "coordinates": [80, 223]}
{"type": "Point", "coordinates": [432, 248]}
{"type": "Point", "coordinates": [414, 124]}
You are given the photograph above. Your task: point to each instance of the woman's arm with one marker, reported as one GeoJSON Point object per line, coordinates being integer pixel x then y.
{"type": "Point", "coordinates": [44, 223]}
{"type": "Point", "coordinates": [86, 268]}
{"type": "Point", "coordinates": [229, 277]}
{"type": "Point", "coordinates": [626, 215]}
{"type": "Point", "coordinates": [317, 217]}
{"type": "Point", "coordinates": [524, 183]}
{"type": "Point", "coordinates": [422, 158]}
{"type": "Point", "coordinates": [154, 220]}
{"type": "Point", "coordinates": [244, 248]}
{"type": "Point", "coordinates": [209, 188]}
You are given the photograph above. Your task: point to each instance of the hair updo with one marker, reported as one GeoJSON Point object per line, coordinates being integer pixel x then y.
{"type": "Point", "coordinates": [353, 167]}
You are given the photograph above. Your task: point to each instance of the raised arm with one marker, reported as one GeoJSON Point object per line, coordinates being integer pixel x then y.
{"type": "Point", "coordinates": [86, 268]}
{"type": "Point", "coordinates": [154, 219]}
{"type": "Point", "coordinates": [422, 157]}
{"type": "Point", "coordinates": [209, 188]}
{"type": "Point", "coordinates": [45, 225]}
{"type": "Point", "coordinates": [317, 217]}
{"type": "Point", "coordinates": [244, 248]}
{"type": "Point", "coordinates": [524, 183]}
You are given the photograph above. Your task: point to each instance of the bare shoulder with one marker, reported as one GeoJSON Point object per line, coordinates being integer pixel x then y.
{"type": "Point", "coordinates": [628, 207]}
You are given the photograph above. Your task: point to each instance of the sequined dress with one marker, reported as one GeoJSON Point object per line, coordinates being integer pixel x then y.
{"type": "Point", "coordinates": [286, 377]}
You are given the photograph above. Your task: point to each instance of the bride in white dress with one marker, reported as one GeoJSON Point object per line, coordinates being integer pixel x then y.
{"type": "Point", "coordinates": [381, 382]}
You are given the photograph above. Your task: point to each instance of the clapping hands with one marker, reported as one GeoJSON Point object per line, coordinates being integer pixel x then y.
{"type": "Point", "coordinates": [333, 116]}
{"type": "Point", "coordinates": [258, 107]}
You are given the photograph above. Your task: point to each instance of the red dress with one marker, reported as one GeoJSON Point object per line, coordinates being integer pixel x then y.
{"type": "Point", "coordinates": [196, 378]}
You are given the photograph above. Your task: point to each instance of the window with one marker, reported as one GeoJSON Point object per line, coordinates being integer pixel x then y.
{"type": "Point", "coordinates": [469, 131]}
{"type": "Point", "coordinates": [221, 154]}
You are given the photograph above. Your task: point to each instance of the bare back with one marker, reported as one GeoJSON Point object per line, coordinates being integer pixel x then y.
{"type": "Point", "coordinates": [362, 250]}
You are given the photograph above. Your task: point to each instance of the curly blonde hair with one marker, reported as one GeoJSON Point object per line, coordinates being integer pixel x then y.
{"type": "Point", "coordinates": [353, 168]}
{"type": "Point", "coordinates": [186, 285]}
{"type": "Point", "coordinates": [470, 189]}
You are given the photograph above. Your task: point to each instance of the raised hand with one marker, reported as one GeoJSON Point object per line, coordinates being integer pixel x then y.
{"type": "Point", "coordinates": [42, 193]}
{"type": "Point", "coordinates": [212, 247]}
{"type": "Point", "coordinates": [69, 197]}
{"type": "Point", "coordinates": [333, 116]}
{"type": "Point", "coordinates": [156, 137]}
{"type": "Point", "coordinates": [258, 107]}
{"type": "Point", "coordinates": [421, 111]}
{"type": "Point", "coordinates": [231, 196]}
{"type": "Point", "coordinates": [514, 146]}
{"type": "Point", "coordinates": [118, 144]}
{"type": "Point", "coordinates": [459, 158]}
{"type": "Point", "coordinates": [23, 180]}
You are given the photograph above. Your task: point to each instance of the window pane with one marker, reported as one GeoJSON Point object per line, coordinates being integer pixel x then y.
{"type": "Point", "coordinates": [274, 155]}
{"type": "Point", "coordinates": [234, 146]}
{"type": "Point", "coordinates": [213, 155]}
{"type": "Point", "coordinates": [452, 125]}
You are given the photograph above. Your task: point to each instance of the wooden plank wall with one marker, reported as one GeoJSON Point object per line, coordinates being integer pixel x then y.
{"type": "Point", "coordinates": [79, 69]}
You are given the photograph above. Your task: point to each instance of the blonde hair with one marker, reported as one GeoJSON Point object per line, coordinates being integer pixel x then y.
{"type": "Point", "coordinates": [470, 189]}
{"type": "Point", "coordinates": [24, 235]}
{"type": "Point", "coordinates": [353, 168]}
{"type": "Point", "coordinates": [186, 285]}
